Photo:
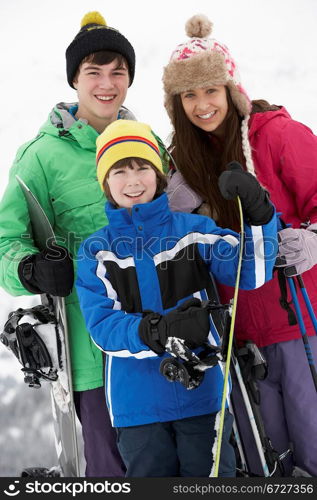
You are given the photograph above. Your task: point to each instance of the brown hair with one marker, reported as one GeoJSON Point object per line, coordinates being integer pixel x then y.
{"type": "Point", "coordinates": [201, 157]}
{"type": "Point", "coordinates": [260, 106]}
{"type": "Point", "coordinates": [127, 162]}
{"type": "Point", "coordinates": [103, 57]}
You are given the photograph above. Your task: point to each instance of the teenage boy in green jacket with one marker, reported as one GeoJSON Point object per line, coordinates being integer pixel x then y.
{"type": "Point", "coordinates": [59, 167]}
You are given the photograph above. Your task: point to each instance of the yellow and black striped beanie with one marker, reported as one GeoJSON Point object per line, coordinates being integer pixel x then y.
{"type": "Point", "coordinates": [95, 36]}
{"type": "Point", "coordinates": [125, 139]}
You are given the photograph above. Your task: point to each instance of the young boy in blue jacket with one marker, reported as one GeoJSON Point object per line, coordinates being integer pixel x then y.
{"type": "Point", "coordinates": [143, 282]}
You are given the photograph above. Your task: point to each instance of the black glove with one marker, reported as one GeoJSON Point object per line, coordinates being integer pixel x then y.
{"type": "Point", "coordinates": [189, 321]}
{"type": "Point", "coordinates": [254, 199]}
{"type": "Point", "coordinates": [50, 271]}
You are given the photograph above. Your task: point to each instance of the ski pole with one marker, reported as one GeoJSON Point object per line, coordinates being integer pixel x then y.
{"type": "Point", "coordinates": [251, 416]}
{"type": "Point", "coordinates": [244, 468]}
{"type": "Point", "coordinates": [307, 301]}
{"type": "Point", "coordinates": [252, 367]}
{"type": "Point", "coordinates": [221, 416]}
{"type": "Point", "coordinates": [236, 433]}
{"type": "Point", "coordinates": [302, 328]}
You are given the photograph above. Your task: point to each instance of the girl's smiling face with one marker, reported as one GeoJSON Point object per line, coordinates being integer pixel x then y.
{"type": "Point", "coordinates": [206, 108]}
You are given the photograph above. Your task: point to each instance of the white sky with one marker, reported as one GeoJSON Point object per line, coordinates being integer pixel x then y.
{"type": "Point", "coordinates": [273, 41]}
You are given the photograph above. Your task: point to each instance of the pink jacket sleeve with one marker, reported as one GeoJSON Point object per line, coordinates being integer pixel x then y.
{"type": "Point", "coordinates": [299, 168]}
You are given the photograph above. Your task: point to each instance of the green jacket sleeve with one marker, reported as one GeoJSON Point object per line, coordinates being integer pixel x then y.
{"type": "Point", "coordinates": [15, 228]}
{"type": "Point", "coordinates": [165, 158]}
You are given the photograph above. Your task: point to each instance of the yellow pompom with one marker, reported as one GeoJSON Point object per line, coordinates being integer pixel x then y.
{"type": "Point", "coordinates": [93, 18]}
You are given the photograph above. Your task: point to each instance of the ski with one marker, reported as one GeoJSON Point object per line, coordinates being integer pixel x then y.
{"type": "Point", "coordinates": [248, 366]}
{"type": "Point", "coordinates": [61, 389]}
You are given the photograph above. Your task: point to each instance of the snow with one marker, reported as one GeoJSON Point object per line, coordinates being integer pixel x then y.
{"type": "Point", "coordinates": [273, 43]}
{"type": "Point", "coordinates": [8, 397]}
{"type": "Point", "coordinates": [10, 366]}
{"type": "Point", "coordinates": [15, 433]}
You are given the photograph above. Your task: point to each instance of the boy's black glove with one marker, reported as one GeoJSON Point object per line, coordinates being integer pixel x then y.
{"type": "Point", "coordinates": [189, 322]}
{"type": "Point", "coordinates": [254, 199]}
{"type": "Point", "coordinates": [50, 271]}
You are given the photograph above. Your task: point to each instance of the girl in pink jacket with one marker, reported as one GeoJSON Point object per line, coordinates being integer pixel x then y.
{"type": "Point", "coordinates": [214, 123]}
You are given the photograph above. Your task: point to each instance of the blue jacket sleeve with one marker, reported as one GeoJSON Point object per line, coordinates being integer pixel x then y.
{"type": "Point", "coordinates": [259, 254]}
{"type": "Point", "coordinates": [114, 331]}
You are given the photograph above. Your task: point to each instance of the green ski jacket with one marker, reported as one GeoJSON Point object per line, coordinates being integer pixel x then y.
{"type": "Point", "coordinates": [60, 169]}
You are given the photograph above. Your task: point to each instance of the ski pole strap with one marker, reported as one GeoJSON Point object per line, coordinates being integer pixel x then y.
{"type": "Point", "coordinates": [247, 364]}
{"type": "Point", "coordinates": [252, 362]}
{"type": "Point", "coordinates": [284, 303]}
{"type": "Point", "coordinates": [221, 416]}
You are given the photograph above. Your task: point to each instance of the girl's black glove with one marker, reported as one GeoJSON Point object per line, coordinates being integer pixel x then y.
{"type": "Point", "coordinates": [189, 322]}
{"type": "Point", "coordinates": [255, 201]}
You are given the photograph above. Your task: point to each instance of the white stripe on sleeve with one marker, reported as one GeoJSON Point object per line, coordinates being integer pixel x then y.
{"type": "Point", "coordinates": [259, 255]}
{"type": "Point", "coordinates": [103, 255]}
{"type": "Point", "coordinates": [190, 239]}
{"type": "Point", "coordinates": [111, 293]}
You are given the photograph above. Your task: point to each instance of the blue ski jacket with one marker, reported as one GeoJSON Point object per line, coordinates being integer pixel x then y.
{"type": "Point", "coordinates": [154, 259]}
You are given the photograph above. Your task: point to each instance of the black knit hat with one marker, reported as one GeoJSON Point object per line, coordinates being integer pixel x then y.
{"type": "Point", "coordinates": [94, 36]}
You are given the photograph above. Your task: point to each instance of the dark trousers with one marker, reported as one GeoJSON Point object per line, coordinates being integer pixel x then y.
{"type": "Point", "coordinates": [288, 404]}
{"type": "Point", "coordinates": [177, 448]}
{"type": "Point", "coordinates": [100, 448]}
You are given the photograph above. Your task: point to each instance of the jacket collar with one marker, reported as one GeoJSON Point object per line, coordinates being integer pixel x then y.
{"type": "Point", "coordinates": [145, 218]}
{"type": "Point", "coordinates": [61, 123]}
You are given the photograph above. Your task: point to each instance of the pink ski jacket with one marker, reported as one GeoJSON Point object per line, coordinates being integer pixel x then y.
{"type": "Point", "coordinates": [285, 158]}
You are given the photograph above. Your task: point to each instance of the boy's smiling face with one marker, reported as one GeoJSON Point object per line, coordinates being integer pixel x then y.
{"type": "Point", "coordinates": [101, 90]}
{"type": "Point", "coordinates": [133, 184]}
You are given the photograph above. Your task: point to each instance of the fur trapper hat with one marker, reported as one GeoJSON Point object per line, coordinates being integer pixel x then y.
{"type": "Point", "coordinates": [201, 62]}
